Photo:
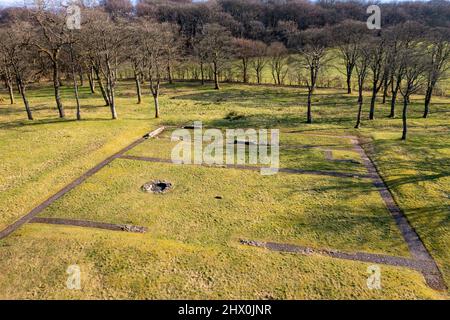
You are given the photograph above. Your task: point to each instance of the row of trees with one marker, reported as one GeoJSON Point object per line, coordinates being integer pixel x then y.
{"type": "Point", "coordinates": [405, 60]}
{"type": "Point", "coordinates": [36, 44]}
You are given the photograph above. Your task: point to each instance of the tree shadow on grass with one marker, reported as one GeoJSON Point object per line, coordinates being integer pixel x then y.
{"type": "Point", "coordinates": [8, 110]}
{"type": "Point", "coordinates": [277, 121]}
{"type": "Point", "coordinates": [437, 220]}
{"type": "Point", "coordinates": [27, 123]}
{"type": "Point", "coordinates": [272, 95]}
{"type": "Point", "coordinates": [348, 187]}
{"type": "Point", "coordinates": [409, 179]}
{"type": "Point", "coordinates": [338, 224]}
{"type": "Point", "coordinates": [258, 121]}
{"type": "Point", "coordinates": [422, 157]}
{"type": "Point", "coordinates": [346, 216]}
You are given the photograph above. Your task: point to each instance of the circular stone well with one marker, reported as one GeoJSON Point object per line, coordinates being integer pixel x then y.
{"type": "Point", "coordinates": [157, 186]}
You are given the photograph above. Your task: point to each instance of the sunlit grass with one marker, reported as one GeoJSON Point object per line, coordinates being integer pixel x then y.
{"type": "Point", "coordinates": [191, 250]}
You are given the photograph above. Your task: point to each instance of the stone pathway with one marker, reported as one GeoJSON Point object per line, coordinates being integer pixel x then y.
{"type": "Point", "coordinates": [355, 256]}
{"type": "Point", "coordinates": [90, 224]}
{"type": "Point", "coordinates": [428, 268]}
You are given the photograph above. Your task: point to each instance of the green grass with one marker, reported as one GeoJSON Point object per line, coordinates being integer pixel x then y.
{"type": "Point", "coordinates": [287, 208]}
{"type": "Point", "coordinates": [126, 266]}
{"type": "Point", "coordinates": [117, 265]}
{"type": "Point", "coordinates": [191, 249]}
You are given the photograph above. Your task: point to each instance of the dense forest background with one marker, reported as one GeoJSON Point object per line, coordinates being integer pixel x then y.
{"type": "Point", "coordinates": [270, 20]}
{"type": "Point", "coordinates": [267, 20]}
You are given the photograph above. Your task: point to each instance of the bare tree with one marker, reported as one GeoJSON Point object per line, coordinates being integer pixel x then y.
{"type": "Point", "coordinates": [106, 40]}
{"type": "Point", "coordinates": [90, 42]}
{"type": "Point", "coordinates": [377, 60]}
{"type": "Point", "coordinates": [201, 55]}
{"type": "Point", "coordinates": [51, 37]}
{"type": "Point", "coordinates": [438, 55]}
{"type": "Point", "coordinates": [136, 56]}
{"type": "Point", "coordinates": [277, 54]}
{"type": "Point", "coordinates": [16, 49]}
{"type": "Point", "coordinates": [73, 53]}
{"type": "Point", "coordinates": [216, 40]}
{"type": "Point", "coordinates": [155, 42]}
{"type": "Point", "coordinates": [399, 38]}
{"type": "Point", "coordinates": [394, 69]}
{"type": "Point", "coordinates": [6, 74]}
{"type": "Point", "coordinates": [173, 49]}
{"type": "Point", "coordinates": [313, 45]}
{"type": "Point", "coordinates": [362, 68]}
{"type": "Point", "coordinates": [259, 59]}
{"type": "Point", "coordinates": [244, 51]}
{"type": "Point", "coordinates": [347, 36]}
{"type": "Point", "coordinates": [414, 78]}
{"type": "Point", "coordinates": [96, 66]}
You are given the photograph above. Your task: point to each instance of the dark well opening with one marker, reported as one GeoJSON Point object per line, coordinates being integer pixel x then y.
{"type": "Point", "coordinates": [157, 186]}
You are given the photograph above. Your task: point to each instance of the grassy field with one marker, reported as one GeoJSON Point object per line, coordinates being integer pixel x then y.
{"type": "Point", "coordinates": [192, 248]}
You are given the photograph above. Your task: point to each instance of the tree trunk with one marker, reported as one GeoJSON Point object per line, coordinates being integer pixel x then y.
{"type": "Point", "coordinates": [385, 90]}
{"type": "Point", "coordinates": [349, 82]}
{"type": "Point", "coordinates": [308, 113]}
{"type": "Point", "coordinates": [110, 86]}
{"type": "Point", "coordinates": [138, 87]}
{"type": "Point", "coordinates": [56, 85]}
{"type": "Point", "coordinates": [112, 98]}
{"type": "Point", "coordinates": [394, 99]}
{"type": "Point", "coordinates": [25, 99]}
{"type": "Point", "coordinates": [404, 117]}
{"type": "Point", "coordinates": [91, 80]}
{"type": "Point", "coordinates": [169, 73]}
{"type": "Point", "coordinates": [245, 70]}
{"type": "Point", "coordinates": [75, 84]}
{"type": "Point", "coordinates": [258, 76]}
{"type": "Point", "coordinates": [155, 98]}
{"type": "Point", "coordinates": [102, 88]}
{"type": "Point", "coordinates": [372, 104]}
{"type": "Point", "coordinates": [202, 72]}
{"type": "Point", "coordinates": [216, 77]}
{"type": "Point", "coordinates": [428, 95]}
{"type": "Point", "coordinates": [360, 104]}
{"type": "Point", "coordinates": [18, 86]}
{"type": "Point", "coordinates": [75, 87]}
{"type": "Point", "coordinates": [9, 85]}
{"type": "Point", "coordinates": [112, 105]}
